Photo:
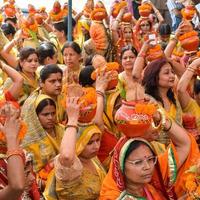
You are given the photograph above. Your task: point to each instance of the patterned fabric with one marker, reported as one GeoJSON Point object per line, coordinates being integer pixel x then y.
{"type": "Point", "coordinates": [37, 140]}
{"type": "Point", "coordinates": [76, 182]}
{"type": "Point", "coordinates": [28, 87]}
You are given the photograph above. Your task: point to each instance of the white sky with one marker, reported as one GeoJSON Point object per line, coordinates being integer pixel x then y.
{"type": "Point", "coordinates": [76, 4]}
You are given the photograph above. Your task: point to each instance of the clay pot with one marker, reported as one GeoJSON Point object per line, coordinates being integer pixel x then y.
{"type": "Point", "coordinates": [117, 7]}
{"type": "Point", "coordinates": [145, 10]}
{"type": "Point", "coordinates": [154, 53]}
{"type": "Point", "coordinates": [98, 14]}
{"type": "Point", "coordinates": [129, 122]}
{"type": "Point", "coordinates": [188, 12]}
{"type": "Point", "coordinates": [87, 113]}
{"type": "Point", "coordinates": [190, 41]}
{"type": "Point", "coordinates": [127, 17]}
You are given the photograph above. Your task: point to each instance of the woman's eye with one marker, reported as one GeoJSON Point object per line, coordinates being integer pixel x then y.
{"type": "Point", "coordinates": [138, 162]}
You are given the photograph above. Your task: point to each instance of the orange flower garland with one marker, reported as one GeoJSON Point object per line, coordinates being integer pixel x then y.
{"type": "Point", "coordinates": [192, 183]}
{"type": "Point", "coordinates": [57, 13]}
{"type": "Point", "coordinates": [188, 12]}
{"type": "Point", "coordinates": [155, 53]}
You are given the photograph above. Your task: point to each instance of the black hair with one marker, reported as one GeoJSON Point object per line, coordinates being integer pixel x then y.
{"type": "Point", "coordinates": [165, 29]}
{"type": "Point", "coordinates": [85, 76]}
{"type": "Point", "coordinates": [60, 26]}
{"type": "Point", "coordinates": [75, 46]}
{"type": "Point", "coordinates": [13, 19]}
{"type": "Point", "coordinates": [127, 48]}
{"type": "Point", "coordinates": [133, 146]}
{"type": "Point", "coordinates": [8, 29]}
{"type": "Point", "coordinates": [197, 86]}
{"type": "Point", "coordinates": [45, 49]}
{"type": "Point", "coordinates": [150, 80]}
{"type": "Point", "coordinates": [47, 70]}
{"type": "Point", "coordinates": [88, 60]}
{"type": "Point", "coordinates": [66, 24]}
{"type": "Point", "coordinates": [24, 54]}
{"type": "Point", "coordinates": [43, 104]}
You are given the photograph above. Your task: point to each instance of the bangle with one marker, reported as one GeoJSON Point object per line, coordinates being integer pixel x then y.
{"type": "Point", "coordinates": [72, 126]}
{"type": "Point", "coordinates": [168, 129]}
{"type": "Point", "coordinates": [191, 69]}
{"type": "Point", "coordinates": [175, 39]}
{"type": "Point", "coordinates": [16, 152]}
{"type": "Point", "coordinates": [14, 41]}
{"type": "Point", "coordinates": [100, 93]}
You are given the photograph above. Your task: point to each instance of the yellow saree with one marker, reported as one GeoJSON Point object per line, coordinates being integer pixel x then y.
{"type": "Point", "coordinates": [76, 182]}
{"type": "Point", "coordinates": [37, 141]}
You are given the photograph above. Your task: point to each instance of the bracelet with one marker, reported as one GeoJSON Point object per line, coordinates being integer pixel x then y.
{"type": "Point", "coordinates": [167, 129]}
{"type": "Point", "coordinates": [15, 42]}
{"type": "Point", "coordinates": [72, 126]}
{"type": "Point", "coordinates": [16, 152]}
{"type": "Point", "coordinates": [191, 69]}
{"type": "Point", "coordinates": [176, 40]}
{"type": "Point", "coordinates": [100, 93]}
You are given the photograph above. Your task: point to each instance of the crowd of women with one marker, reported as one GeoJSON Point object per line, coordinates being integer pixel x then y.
{"type": "Point", "coordinates": [113, 114]}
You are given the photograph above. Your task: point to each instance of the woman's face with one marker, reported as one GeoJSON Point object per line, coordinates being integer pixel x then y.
{"type": "Point", "coordinates": [71, 58]}
{"type": "Point", "coordinates": [141, 163]}
{"type": "Point", "coordinates": [127, 33]}
{"type": "Point", "coordinates": [30, 64]}
{"type": "Point", "coordinates": [92, 147]}
{"type": "Point", "coordinates": [47, 117]}
{"type": "Point", "coordinates": [145, 26]}
{"type": "Point", "coordinates": [166, 76]}
{"type": "Point", "coordinates": [128, 60]}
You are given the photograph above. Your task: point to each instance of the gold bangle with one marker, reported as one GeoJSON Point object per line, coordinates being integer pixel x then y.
{"type": "Point", "coordinates": [176, 40]}
{"type": "Point", "coordinates": [100, 93]}
{"type": "Point", "coordinates": [72, 126]}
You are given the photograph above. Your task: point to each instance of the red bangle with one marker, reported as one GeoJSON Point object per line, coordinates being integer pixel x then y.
{"type": "Point", "coordinates": [141, 54]}
{"type": "Point", "coordinates": [16, 152]}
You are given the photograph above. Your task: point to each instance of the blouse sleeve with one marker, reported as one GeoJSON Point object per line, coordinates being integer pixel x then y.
{"type": "Point", "coordinates": [65, 174]}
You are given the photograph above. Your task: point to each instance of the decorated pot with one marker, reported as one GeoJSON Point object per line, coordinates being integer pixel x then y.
{"type": "Point", "coordinates": [87, 113]}
{"type": "Point", "coordinates": [189, 41]}
{"type": "Point", "coordinates": [154, 53]}
{"type": "Point", "coordinates": [117, 7]}
{"type": "Point", "coordinates": [188, 12]}
{"type": "Point", "coordinates": [131, 122]}
{"type": "Point", "coordinates": [127, 17]}
{"type": "Point", "coordinates": [145, 10]}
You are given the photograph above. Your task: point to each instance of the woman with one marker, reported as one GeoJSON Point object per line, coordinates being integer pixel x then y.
{"type": "Point", "coordinates": [128, 56]}
{"type": "Point", "coordinates": [189, 104]}
{"type": "Point", "coordinates": [58, 38]}
{"type": "Point", "coordinates": [151, 180]}
{"type": "Point", "coordinates": [141, 32]}
{"type": "Point", "coordinates": [72, 58]}
{"type": "Point", "coordinates": [28, 63]}
{"type": "Point", "coordinates": [78, 171]}
{"type": "Point", "coordinates": [123, 37]}
{"type": "Point", "coordinates": [158, 80]}
{"type": "Point", "coordinates": [43, 136]}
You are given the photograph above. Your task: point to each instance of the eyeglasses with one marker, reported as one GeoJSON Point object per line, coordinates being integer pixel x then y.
{"type": "Point", "coordinates": [140, 163]}
{"type": "Point", "coordinates": [143, 25]}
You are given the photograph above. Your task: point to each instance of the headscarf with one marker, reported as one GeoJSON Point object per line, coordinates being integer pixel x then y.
{"type": "Point", "coordinates": [37, 140]}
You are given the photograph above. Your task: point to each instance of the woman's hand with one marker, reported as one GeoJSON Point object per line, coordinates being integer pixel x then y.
{"type": "Point", "coordinates": [12, 122]}
{"type": "Point", "coordinates": [102, 81]}
{"type": "Point", "coordinates": [73, 106]}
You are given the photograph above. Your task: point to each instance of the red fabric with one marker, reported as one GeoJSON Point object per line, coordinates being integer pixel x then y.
{"type": "Point", "coordinates": [9, 96]}
{"type": "Point", "coordinates": [108, 142]}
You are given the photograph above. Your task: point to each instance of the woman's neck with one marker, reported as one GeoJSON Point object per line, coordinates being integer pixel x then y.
{"type": "Point", "coordinates": [51, 132]}
{"type": "Point", "coordinates": [84, 161]}
{"type": "Point", "coordinates": [29, 75]}
{"type": "Point", "coordinates": [128, 72]}
{"type": "Point", "coordinates": [163, 92]}
{"type": "Point", "coordinates": [135, 189]}
{"type": "Point", "coordinates": [62, 40]}
{"type": "Point", "coordinates": [74, 68]}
